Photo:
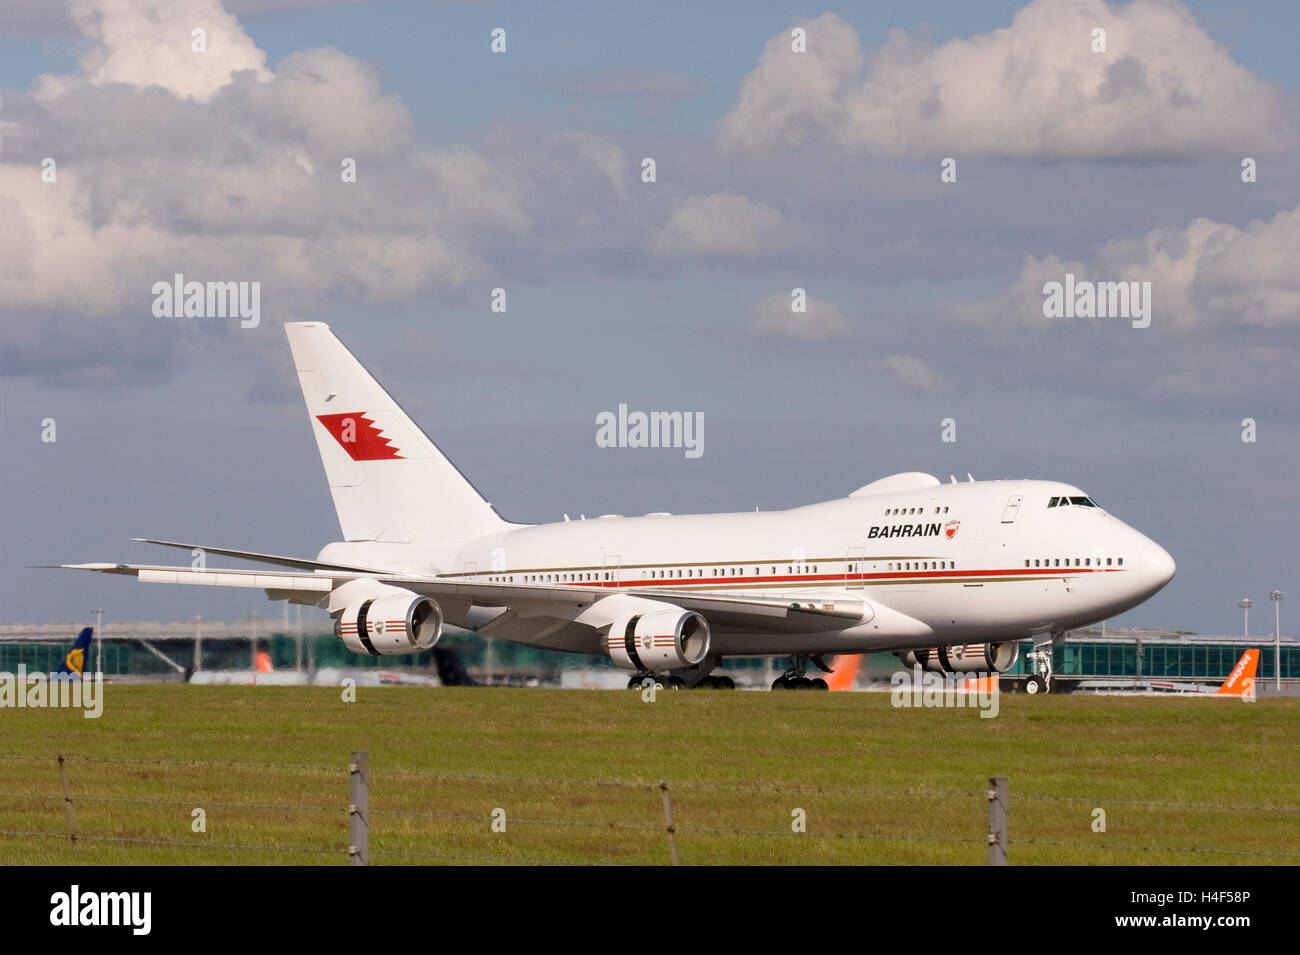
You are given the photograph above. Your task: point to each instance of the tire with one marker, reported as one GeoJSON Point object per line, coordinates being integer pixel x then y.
{"type": "Point", "coordinates": [781, 683]}
{"type": "Point", "coordinates": [819, 684]}
{"type": "Point", "coordinates": [726, 683]}
{"type": "Point", "coordinates": [676, 683]}
{"type": "Point", "coordinates": [1035, 685]}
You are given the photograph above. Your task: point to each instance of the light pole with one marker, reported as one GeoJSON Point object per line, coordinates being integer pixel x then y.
{"type": "Point", "coordinates": [1245, 603]}
{"type": "Point", "coordinates": [198, 644]}
{"type": "Point", "coordinates": [99, 640]}
{"type": "Point", "coordinates": [1276, 596]}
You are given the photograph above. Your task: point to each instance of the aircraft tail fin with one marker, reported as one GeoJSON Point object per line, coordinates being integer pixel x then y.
{"type": "Point", "coordinates": [75, 658]}
{"type": "Point", "coordinates": [1241, 681]}
{"type": "Point", "coordinates": [844, 670]}
{"type": "Point", "coordinates": [388, 480]}
{"type": "Point", "coordinates": [990, 683]}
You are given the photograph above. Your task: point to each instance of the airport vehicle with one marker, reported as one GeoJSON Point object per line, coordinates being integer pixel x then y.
{"type": "Point", "coordinates": [949, 576]}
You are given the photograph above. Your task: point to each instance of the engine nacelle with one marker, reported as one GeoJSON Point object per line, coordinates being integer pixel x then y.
{"type": "Point", "coordinates": [667, 639]}
{"type": "Point", "coordinates": [968, 658]}
{"type": "Point", "coordinates": [396, 623]}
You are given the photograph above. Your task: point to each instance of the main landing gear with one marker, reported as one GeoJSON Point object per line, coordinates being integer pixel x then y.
{"type": "Point", "coordinates": [794, 679]}
{"type": "Point", "coordinates": [673, 682]}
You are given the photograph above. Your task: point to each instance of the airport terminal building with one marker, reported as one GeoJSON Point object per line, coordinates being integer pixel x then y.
{"type": "Point", "coordinates": [150, 651]}
{"type": "Point", "coordinates": [1094, 654]}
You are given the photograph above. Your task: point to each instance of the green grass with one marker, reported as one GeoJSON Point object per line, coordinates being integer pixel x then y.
{"type": "Point", "coordinates": [878, 785]}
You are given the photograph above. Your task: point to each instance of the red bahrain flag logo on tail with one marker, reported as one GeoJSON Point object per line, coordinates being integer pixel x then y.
{"type": "Point", "coordinates": [358, 436]}
{"type": "Point", "coordinates": [950, 529]}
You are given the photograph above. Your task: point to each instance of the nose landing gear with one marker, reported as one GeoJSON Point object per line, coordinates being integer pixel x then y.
{"type": "Point", "coordinates": [1041, 657]}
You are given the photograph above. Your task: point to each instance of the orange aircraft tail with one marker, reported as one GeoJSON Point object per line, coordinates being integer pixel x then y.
{"type": "Point", "coordinates": [983, 684]}
{"type": "Point", "coordinates": [1241, 681]}
{"type": "Point", "coordinates": [844, 671]}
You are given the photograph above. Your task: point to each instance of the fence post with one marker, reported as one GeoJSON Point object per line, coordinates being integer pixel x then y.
{"type": "Point", "coordinates": [67, 799]}
{"type": "Point", "coordinates": [997, 820]}
{"type": "Point", "coordinates": [668, 818]}
{"type": "Point", "coordinates": [359, 809]}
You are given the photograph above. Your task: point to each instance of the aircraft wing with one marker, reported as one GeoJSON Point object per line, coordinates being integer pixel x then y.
{"type": "Point", "coordinates": [802, 613]}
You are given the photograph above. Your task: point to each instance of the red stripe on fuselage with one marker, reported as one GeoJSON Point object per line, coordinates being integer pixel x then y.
{"type": "Point", "coordinates": [839, 578]}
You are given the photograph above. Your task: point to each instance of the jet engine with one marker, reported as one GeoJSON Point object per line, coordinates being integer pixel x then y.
{"type": "Point", "coordinates": [396, 623]}
{"type": "Point", "coordinates": [968, 658]}
{"type": "Point", "coordinates": [667, 639]}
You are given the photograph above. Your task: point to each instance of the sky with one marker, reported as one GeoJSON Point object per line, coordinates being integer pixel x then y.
{"type": "Point", "coordinates": [524, 170]}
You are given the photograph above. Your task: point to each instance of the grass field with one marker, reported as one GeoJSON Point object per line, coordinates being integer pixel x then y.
{"type": "Point", "coordinates": [576, 773]}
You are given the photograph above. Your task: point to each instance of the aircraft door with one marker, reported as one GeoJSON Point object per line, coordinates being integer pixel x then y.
{"type": "Point", "coordinates": [609, 575]}
{"type": "Point", "coordinates": [1012, 509]}
{"type": "Point", "coordinates": [855, 566]}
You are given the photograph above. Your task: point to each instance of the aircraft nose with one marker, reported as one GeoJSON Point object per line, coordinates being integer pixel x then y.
{"type": "Point", "coordinates": [1157, 567]}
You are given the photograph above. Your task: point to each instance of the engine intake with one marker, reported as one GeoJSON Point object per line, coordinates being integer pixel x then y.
{"type": "Point", "coordinates": [966, 658]}
{"type": "Point", "coordinates": [666, 639]}
{"type": "Point", "coordinates": [384, 626]}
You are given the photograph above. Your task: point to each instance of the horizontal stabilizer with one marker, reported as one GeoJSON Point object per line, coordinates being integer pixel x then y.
{"type": "Point", "coordinates": [295, 562]}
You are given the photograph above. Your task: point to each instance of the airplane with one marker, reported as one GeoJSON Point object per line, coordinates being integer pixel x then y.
{"type": "Point", "coordinates": [1241, 681]}
{"type": "Point", "coordinates": [948, 576]}
{"type": "Point", "coordinates": [75, 659]}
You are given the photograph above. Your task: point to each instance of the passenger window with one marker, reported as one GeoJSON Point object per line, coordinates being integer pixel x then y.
{"type": "Point", "coordinates": [1121, 561]}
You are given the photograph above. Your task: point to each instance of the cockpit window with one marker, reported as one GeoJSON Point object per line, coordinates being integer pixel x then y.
{"type": "Point", "coordinates": [1082, 502]}
{"type": "Point", "coordinates": [1053, 502]}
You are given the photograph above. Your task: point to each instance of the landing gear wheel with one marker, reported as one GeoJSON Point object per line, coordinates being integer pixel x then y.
{"type": "Point", "coordinates": [781, 683]}
{"type": "Point", "coordinates": [725, 683]}
{"type": "Point", "coordinates": [817, 683]}
{"type": "Point", "coordinates": [708, 683]}
{"type": "Point", "coordinates": [802, 683]}
{"type": "Point", "coordinates": [676, 683]}
{"type": "Point", "coordinates": [1035, 685]}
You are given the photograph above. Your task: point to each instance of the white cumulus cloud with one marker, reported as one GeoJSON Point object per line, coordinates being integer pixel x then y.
{"type": "Point", "coordinates": [912, 373]}
{"type": "Point", "coordinates": [1206, 273]}
{"type": "Point", "coordinates": [1035, 88]}
{"type": "Point", "coordinates": [720, 224]}
{"type": "Point", "coordinates": [821, 321]}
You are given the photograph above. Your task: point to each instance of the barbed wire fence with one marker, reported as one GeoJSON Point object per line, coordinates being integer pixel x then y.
{"type": "Point", "coordinates": [658, 822]}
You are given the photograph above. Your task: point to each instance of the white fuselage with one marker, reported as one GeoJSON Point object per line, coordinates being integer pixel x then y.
{"type": "Point", "coordinates": [941, 564]}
